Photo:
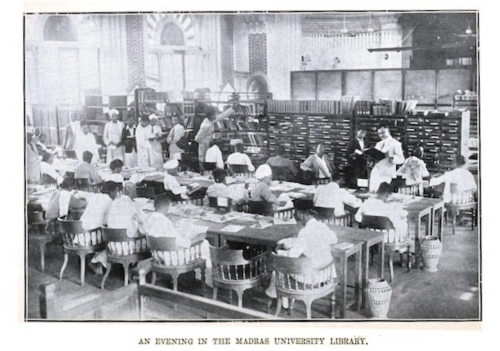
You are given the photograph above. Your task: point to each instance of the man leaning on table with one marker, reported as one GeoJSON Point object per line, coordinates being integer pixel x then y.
{"type": "Point", "coordinates": [385, 169]}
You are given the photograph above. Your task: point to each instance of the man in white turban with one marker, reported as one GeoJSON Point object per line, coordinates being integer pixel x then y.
{"type": "Point", "coordinates": [261, 191]}
{"type": "Point", "coordinates": [170, 182]}
{"type": "Point", "coordinates": [113, 131]}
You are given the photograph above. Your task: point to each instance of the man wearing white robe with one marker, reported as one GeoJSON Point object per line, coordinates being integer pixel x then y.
{"type": "Point", "coordinates": [156, 150]}
{"type": "Point", "coordinates": [73, 129]}
{"type": "Point", "coordinates": [85, 141]}
{"type": "Point", "coordinates": [385, 169]}
{"type": "Point", "coordinates": [175, 134]}
{"type": "Point", "coordinates": [143, 145]}
{"type": "Point", "coordinates": [113, 131]}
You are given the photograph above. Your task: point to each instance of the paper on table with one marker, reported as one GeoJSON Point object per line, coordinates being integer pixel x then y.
{"type": "Point", "coordinates": [232, 228]}
{"type": "Point", "coordinates": [261, 225]}
{"type": "Point", "coordinates": [189, 229]}
{"type": "Point", "coordinates": [343, 246]}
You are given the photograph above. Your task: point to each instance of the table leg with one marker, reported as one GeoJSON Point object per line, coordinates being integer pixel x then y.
{"type": "Point", "coordinates": [429, 223]}
{"type": "Point", "coordinates": [441, 223]}
{"type": "Point", "coordinates": [417, 246]}
{"type": "Point", "coordinates": [343, 287]}
{"type": "Point", "coordinates": [366, 267]}
{"type": "Point", "coordinates": [381, 250]}
{"type": "Point", "coordinates": [359, 280]}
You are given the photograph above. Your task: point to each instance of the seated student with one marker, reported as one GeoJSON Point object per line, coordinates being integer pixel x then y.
{"type": "Point", "coordinates": [413, 169]}
{"type": "Point", "coordinates": [159, 225]}
{"type": "Point", "coordinates": [172, 186]}
{"type": "Point", "coordinates": [314, 241]}
{"type": "Point", "coordinates": [96, 215]}
{"type": "Point", "coordinates": [332, 196]}
{"type": "Point", "coordinates": [318, 163]}
{"type": "Point", "coordinates": [236, 192]}
{"type": "Point", "coordinates": [460, 176]}
{"type": "Point", "coordinates": [214, 155]}
{"type": "Point", "coordinates": [96, 212]}
{"type": "Point", "coordinates": [63, 200]}
{"type": "Point", "coordinates": [261, 190]}
{"type": "Point", "coordinates": [116, 167]}
{"type": "Point", "coordinates": [239, 158]}
{"type": "Point", "coordinates": [382, 207]}
{"type": "Point", "coordinates": [84, 170]}
{"type": "Point", "coordinates": [41, 147]}
{"type": "Point", "coordinates": [124, 213]}
{"type": "Point", "coordinates": [280, 161]}
{"type": "Point", "coordinates": [47, 168]}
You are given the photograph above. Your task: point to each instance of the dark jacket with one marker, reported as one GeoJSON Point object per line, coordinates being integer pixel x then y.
{"type": "Point", "coordinates": [129, 143]}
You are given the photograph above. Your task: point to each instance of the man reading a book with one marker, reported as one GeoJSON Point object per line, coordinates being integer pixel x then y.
{"type": "Point", "coordinates": [385, 169]}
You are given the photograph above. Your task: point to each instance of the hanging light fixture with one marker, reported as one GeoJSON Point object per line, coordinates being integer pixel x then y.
{"type": "Point", "coordinates": [344, 29]}
{"type": "Point", "coordinates": [370, 29]}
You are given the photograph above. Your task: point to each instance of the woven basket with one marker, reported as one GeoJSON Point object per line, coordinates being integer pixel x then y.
{"type": "Point", "coordinates": [431, 249]}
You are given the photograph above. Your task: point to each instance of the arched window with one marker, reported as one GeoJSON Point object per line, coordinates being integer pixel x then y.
{"type": "Point", "coordinates": [172, 35]}
{"type": "Point", "coordinates": [59, 28]}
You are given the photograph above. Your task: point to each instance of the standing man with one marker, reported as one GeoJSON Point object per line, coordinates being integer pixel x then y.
{"type": "Point", "coordinates": [319, 164]}
{"type": "Point", "coordinates": [142, 141]}
{"type": "Point", "coordinates": [130, 143]}
{"type": "Point", "coordinates": [156, 150]}
{"type": "Point", "coordinates": [85, 141]}
{"type": "Point", "coordinates": [112, 137]}
{"type": "Point", "coordinates": [358, 167]}
{"type": "Point", "coordinates": [206, 132]}
{"type": "Point", "coordinates": [72, 131]}
{"type": "Point", "coordinates": [385, 169]}
{"type": "Point", "coordinates": [175, 134]}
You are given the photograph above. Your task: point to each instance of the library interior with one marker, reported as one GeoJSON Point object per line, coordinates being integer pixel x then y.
{"type": "Point", "coordinates": [252, 166]}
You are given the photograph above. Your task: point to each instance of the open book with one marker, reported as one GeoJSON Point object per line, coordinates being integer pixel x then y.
{"type": "Point", "coordinates": [372, 153]}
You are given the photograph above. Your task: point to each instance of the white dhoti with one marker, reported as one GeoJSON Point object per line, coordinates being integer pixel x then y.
{"type": "Point", "coordinates": [115, 154]}
{"type": "Point", "coordinates": [131, 159]}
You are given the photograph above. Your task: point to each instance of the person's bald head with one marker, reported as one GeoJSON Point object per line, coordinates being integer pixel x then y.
{"type": "Point", "coordinates": [130, 190]}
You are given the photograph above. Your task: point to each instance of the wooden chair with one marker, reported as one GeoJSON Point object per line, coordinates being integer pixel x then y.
{"type": "Point", "coordinates": [461, 201]}
{"type": "Point", "coordinates": [265, 208]}
{"type": "Point", "coordinates": [79, 242]}
{"type": "Point", "coordinates": [296, 279]}
{"type": "Point", "coordinates": [123, 250]}
{"type": "Point", "coordinates": [282, 173]}
{"type": "Point", "coordinates": [320, 181]}
{"type": "Point", "coordinates": [391, 243]}
{"type": "Point", "coordinates": [75, 214]}
{"type": "Point", "coordinates": [84, 185]}
{"type": "Point", "coordinates": [240, 171]}
{"type": "Point", "coordinates": [145, 191]}
{"type": "Point", "coordinates": [230, 270]}
{"type": "Point", "coordinates": [48, 181]}
{"type": "Point", "coordinates": [221, 203]}
{"type": "Point", "coordinates": [415, 190]}
{"type": "Point", "coordinates": [40, 232]}
{"type": "Point", "coordinates": [208, 167]}
{"type": "Point", "coordinates": [327, 215]}
{"type": "Point", "coordinates": [168, 259]}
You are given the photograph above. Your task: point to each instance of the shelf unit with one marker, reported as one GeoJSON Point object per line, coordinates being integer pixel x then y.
{"type": "Point", "coordinates": [305, 124]}
{"type": "Point", "coordinates": [95, 104]}
{"type": "Point", "coordinates": [249, 124]}
{"type": "Point", "coordinates": [464, 102]}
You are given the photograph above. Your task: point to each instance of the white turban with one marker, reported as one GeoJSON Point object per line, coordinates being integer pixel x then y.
{"type": "Point", "coordinates": [113, 112]}
{"type": "Point", "coordinates": [153, 116]}
{"type": "Point", "coordinates": [263, 171]}
{"type": "Point", "coordinates": [171, 164]}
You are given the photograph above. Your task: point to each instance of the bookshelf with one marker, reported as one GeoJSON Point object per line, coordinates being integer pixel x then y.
{"type": "Point", "coordinates": [249, 123]}
{"type": "Point", "coordinates": [299, 128]}
{"type": "Point", "coordinates": [95, 105]}
{"type": "Point", "coordinates": [468, 102]}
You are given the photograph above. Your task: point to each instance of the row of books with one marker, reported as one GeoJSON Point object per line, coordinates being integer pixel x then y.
{"type": "Point", "coordinates": [363, 107]}
{"type": "Point", "coordinates": [145, 96]}
{"type": "Point", "coordinates": [230, 124]}
{"type": "Point", "coordinates": [244, 110]}
{"type": "Point", "coordinates": [253, 139]}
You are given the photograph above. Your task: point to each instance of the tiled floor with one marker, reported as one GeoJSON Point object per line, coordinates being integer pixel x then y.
{"type": "Point", "coordinates": [451, 293]}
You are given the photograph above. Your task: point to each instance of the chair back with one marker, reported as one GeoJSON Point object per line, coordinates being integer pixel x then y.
{"type": "Point", "coordinates": [321, 181]}
{"type": "Point", "coordinates": [70, 154]}
{"type": "Point", "coordinates": [48, 181]}
{"type": "Point", "coordinates": [74, 236]}
{"type": "Point", "coordinates": [230, 265]}
{"type": "Point", "coordinates": [145, 191]}
{"type": "Point", "coordinates": [240, 171]}
{"type": "Point", "coordinates": [461, 197]}
{"type": "Point", "coordinates": [165, 252]}
{"type": "Point", "coordinates": [119, 244]}
{"type": "Point", "coordinates": [415, 189]}
{"type": "Point", "coordinates": [81, 182]}
{"type": "Point", "coordinates": [383, 224]}
{"type": "Point", "coordinates": [75, 213]}
{"type": "Point", "coordinates": [327, 215]}
{"type": "Point", "coordinates": [263, 208]}
{"type": "Point", "coordinates": [296, 274]}
{"type": "Point", "coordinates": [208, 167]}
{"type": "Point", "coordinates": [280, 173]}
{"type": "Point", "coordinates": [220, 203]}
